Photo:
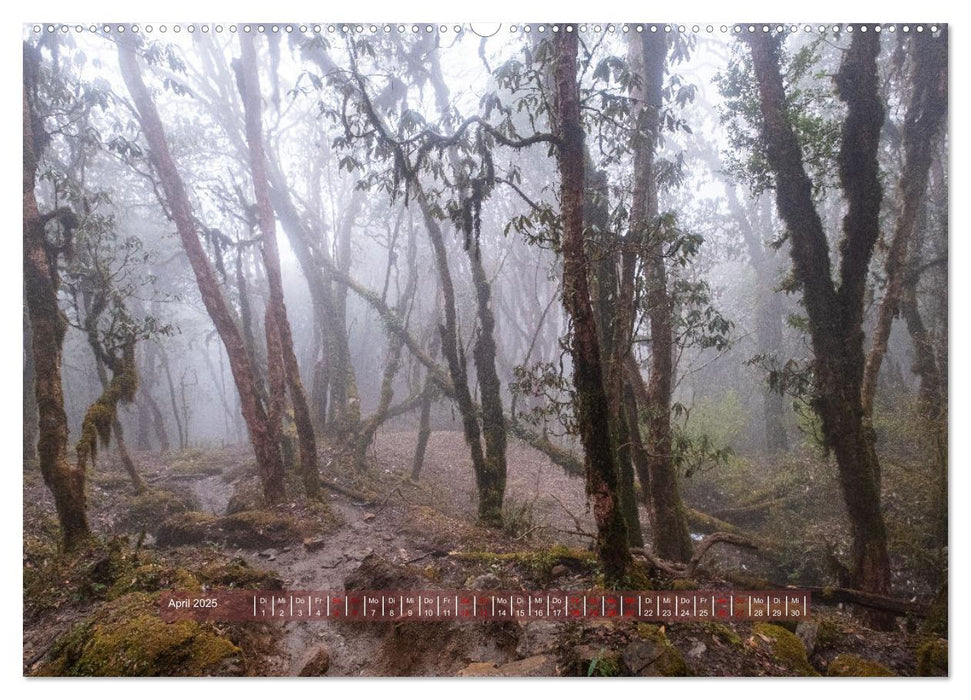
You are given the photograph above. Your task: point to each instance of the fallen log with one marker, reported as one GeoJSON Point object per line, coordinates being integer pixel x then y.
{"type": "Point", "coordinates": [875, 601]}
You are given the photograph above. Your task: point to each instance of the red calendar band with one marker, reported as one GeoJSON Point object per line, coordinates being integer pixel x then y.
{"type": "Point", "coordinates": [470, 606]}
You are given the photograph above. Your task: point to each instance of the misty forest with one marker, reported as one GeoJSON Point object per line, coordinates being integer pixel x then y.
{"type": "Point", "coordinates": [568, 307]}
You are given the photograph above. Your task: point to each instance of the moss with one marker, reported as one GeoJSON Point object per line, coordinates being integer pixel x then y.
{"type": "Point", "coordinates": [147, 510]}
{"type": "Point", "coordinates": [638, 578]}
{"type": "Point", "coordinates": [247, 495]}
{"type": "Point", "coordinates": [53, 578]}
{"type": "Point", "coordinates": [667, 661]}
{"type": "Point", "coordinates": [261, 528]}
{"type": "Point", "coordinates": [786, 647]}
{"type": "Point", "coordinates": [151, 578]}
{"type": "Point", "coordinates": [829, 634]}
{"type": "Point", "coordinates": [185, 528]}
{"type": "Point", "coordinates": [853, 665]}
{"type": "Point", "coordinates": [723, 633]}
{"type": "Point", "coordinates": [932, 658]}
{"type": "Point", "coordinates": [238, 574]}
{"type": "Point", "coordinates": [191, 466]}
{"type": "Point", "coordinates": [539, 562]}
{"type": "Point", "coordinates": [684, 584]}
{"type": "Point", "coordinates": [936, 622]}
{"type": "Point", "coordinates": [128, 638]}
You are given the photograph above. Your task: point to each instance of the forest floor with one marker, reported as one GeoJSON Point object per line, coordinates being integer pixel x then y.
{"type": "Point", "coordinates": [200, 524]}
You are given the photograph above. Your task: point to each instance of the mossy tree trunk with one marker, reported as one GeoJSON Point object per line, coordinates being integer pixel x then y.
{"type": "Point", "coordinates": [271, 259]}
{"type": "Point", "coordinates": [593, 409]}
{"type": "Point", "coordinates": [836, 312]}
{"type": "Point", "coordinates": [93, 309]}
{"type": "Point", "coordinates": [671, 536]}
{"type": "Point", "coordinates": [47, 327]}
{"type": "Point", "coordinates": [490, 498]}
{"type": "Point", "coordinates": [265, 446]}
{"type": "Point", "coordinates": [492, 479]}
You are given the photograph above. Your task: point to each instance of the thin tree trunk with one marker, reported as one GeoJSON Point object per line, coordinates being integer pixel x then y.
{"type": "Point", "coordinates": [925, 115]}
{"type": "Point", "coordinates": [455, 358]}
{"type": "Point", "coordinates": [335, 374]}
{"type": "Point", "coordinates": [47, 326]}
{"type": "Point", "coordinates": [271, 258]}
{"type": "Point", "coordinates": [424, 428]}
{"type": "Point", "coordinates": [264, 446]}
{"type": "Point", "coordinates": [492, 484]}
{"type": "Point", "coordinates": [593, 410]}
{"type": "Point", "coordinates": [174, 399]}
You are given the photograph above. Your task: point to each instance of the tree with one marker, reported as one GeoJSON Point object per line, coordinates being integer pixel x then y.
{"type": "Point", "coordinates": [48, 325]}
{"type": "Point", "coordinates": [835, 311]}
{"type": "Point", "coordinates": [276, 319]}
{"type": "Point", "coordinates": [922, 124]}
{"type": "Point", "coordinates": [262, 436]}
{"type": "Point", "coordinates": [672, 540]}
{"type": "Point", "coordinates": [593, 409]}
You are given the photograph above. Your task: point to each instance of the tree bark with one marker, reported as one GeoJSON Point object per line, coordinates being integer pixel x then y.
{"type": "Point", "coordinates": [672, 540]}
{"type": "Point", "coordinates": [922, 124]}
{"type": "Point", "coordinates": [30, 402]}
{"type": "Point", "coordinates": [271, 259]}
{"type": "Point", "coordinates": [492, 482]}
{"type": "Point", "coordinates": [264, 446]}
{"type": "Point", "coordinates": [835, 314]}
{"type": "Point", "coordinates": [47, 326]}
{"type": "Point", "coordinates": [593, 410]}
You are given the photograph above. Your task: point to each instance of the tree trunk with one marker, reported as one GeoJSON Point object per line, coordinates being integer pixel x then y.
{"type": "Point", "coordinates": [925, 115]}
{"type": "Point", "coordinates": [174, 400]}
{"type": "Point", "coordinates": [271, 258]}
{"type": "Point", "coordinates": [30, 402]}
{"type": "Point", "coordinates": [489, 507]}
{"type": "Point", "coordinates": [593, 410]}
{"type": "Point", "coordinates": [671, 537]}
{"type": "Point", "coordinates": [424, 428]}
{"type": "Point", "coordinates": [47, 326]}
{"type": "Point", "coordinates": [835, 314]}
{"type": "Point", "coordinates": [334, 373]}
{"type": "Point", "coordinates": [266, 449]}
{"type": "Point", "coordinates": [492, 482]}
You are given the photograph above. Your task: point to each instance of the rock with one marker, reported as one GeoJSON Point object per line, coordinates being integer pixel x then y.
{"type": "Point", "coordinates": [786, 648]}
{"type": "Point", "coordinates": [378, 574]}
{"type": "Point", "coordinates": [479, 668]}
{"type": "Point", "coordinates": [855, 666]}
{"type": "Point", "coordinates": [360, 555]}
{"type": "Point", "coordinates": [533, 666]}
{"type": "Point", "coordinates": [368, 517]}
{"type": "Point", "coordinates": [559, 571]}
{"type": "Point", "coordinates": [269, 554]}
{"type": "Point", "coordinates": [808, 632]}
{"type": "Point", "coordinates": [697, 650]}
{"type": "Point", "coordinates": [314, 544]}
{"type": "Point", "coordinates": [486, 582]}
{"type": "Point", "coordinates": [932, 658]}
{"type": "Point", "coordinates": [317, 663]}
{"type": "Point", "coordinates": [537, 636]}
{"type": "Point", "coordinates": [653, 654]}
